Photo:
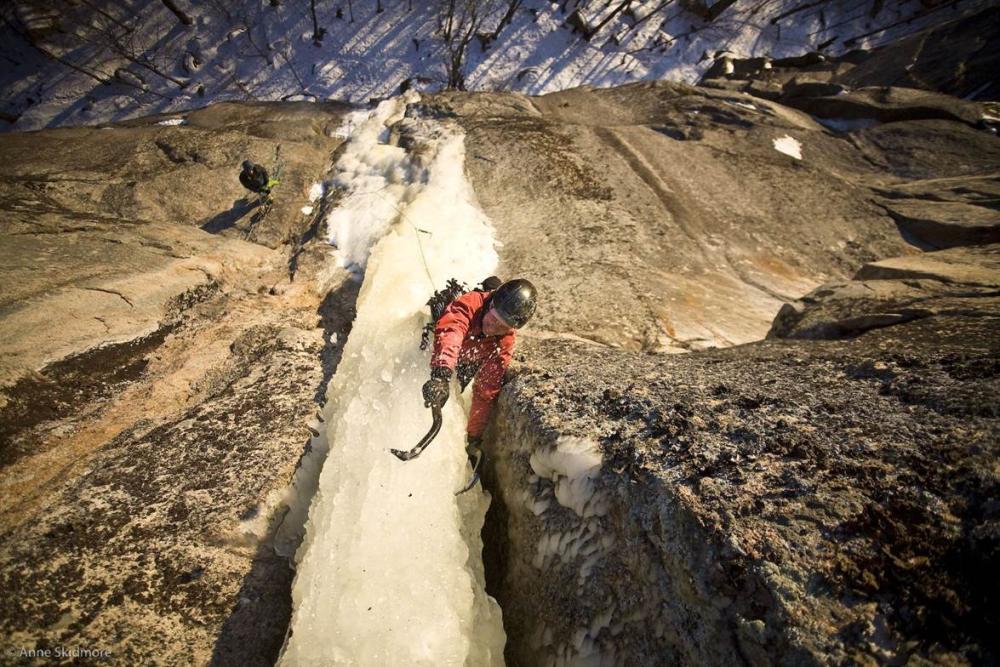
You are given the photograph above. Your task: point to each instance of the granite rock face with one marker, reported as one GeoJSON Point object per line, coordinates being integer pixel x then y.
{"type": "Point", "coordinates": [661, 217]}
{"type": "Point", "coordinates": [949, 283]}
{"type": "Point", "coordinates": [954, 58]}
{"type": "Point", "coordinates": [790, 502]}
{"type": "Point", "coordinates": [163, 354]}
{"type": "Point", "coordinates": [821, 496]}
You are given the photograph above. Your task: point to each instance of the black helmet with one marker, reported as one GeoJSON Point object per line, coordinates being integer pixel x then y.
{"type": "Point", "coordinates": [247, 165]}
{"type": "Point", "coordinates": [515, 302]}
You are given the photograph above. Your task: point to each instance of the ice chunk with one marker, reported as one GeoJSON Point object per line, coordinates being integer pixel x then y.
{"type": "Point", "coordinates": [573, 466]}
{"type": "Point", "coordinates": [848, 124]}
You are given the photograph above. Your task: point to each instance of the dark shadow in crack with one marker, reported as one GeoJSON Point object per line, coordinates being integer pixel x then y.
{"type": "Point", "coordinates": [337, 314]}
{"type": "Point", "coordinates": [255, 630]}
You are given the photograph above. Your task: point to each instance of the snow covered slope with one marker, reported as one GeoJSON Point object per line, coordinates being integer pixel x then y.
{"type": "Point", "coordinates": [250, 49]}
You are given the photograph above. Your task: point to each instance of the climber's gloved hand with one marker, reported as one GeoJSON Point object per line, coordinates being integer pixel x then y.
{"type": "Point", "coordinates": [436, 389]}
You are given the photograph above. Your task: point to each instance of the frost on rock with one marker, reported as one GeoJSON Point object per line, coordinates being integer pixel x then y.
{"type": "Point", "coordinates": [789, 146]}
{"type": "Point", "coordinates": [573, 466]}
{"type": "Point", "coordinates": [316, 191]}
{"type": "Point", "coordinates": [573, 542]}
{"type": "Point", "coordinates": [390, 571]}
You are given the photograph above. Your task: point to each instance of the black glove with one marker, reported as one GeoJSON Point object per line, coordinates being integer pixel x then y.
{"type": "Point", "coordinates": [436, 389]}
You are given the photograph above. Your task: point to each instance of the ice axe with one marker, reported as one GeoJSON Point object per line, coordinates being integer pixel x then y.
{"type": "Point", "coordinates": [424, 441]}
{"type": "Point", "coordinates": [476, 466]}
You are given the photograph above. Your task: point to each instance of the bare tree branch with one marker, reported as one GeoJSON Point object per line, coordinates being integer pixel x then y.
{"type": "Point", "coordinates": [73, 66]}
{"type": "Point", "coordinates": [181, 15]}
{"type": "Point", "coordinates": [512, 7]}
{"type": "Point", "coordinates": [318, 33]}
{"type": "Point", "coordinates": [607, 19]}
{"type": "Point", "coordinates": [798, 9]}
{"type": "Point", "coordinates": [460, 23]}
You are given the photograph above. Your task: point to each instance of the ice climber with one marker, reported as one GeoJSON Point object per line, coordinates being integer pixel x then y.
{"type": "Point", "coordinates": [474, 338]}
{"type": "Point", "coordinates": [255, 179]}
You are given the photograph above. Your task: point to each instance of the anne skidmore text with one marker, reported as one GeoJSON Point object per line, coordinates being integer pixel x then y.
{"type": "Point", "coordinates": [60, 652]}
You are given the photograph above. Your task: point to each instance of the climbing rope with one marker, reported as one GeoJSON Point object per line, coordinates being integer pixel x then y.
{"type": "Point", "coordinates": [417, 231]}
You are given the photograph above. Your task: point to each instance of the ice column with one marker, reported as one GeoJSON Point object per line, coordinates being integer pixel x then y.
{"type": "Point", "coordinates": [390, 572]}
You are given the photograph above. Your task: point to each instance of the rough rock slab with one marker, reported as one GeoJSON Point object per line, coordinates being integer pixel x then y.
{"type": "Point", "coordinates": [186, 174]}
{"type": "Point", "coordinates": [784, 502]}
{"type": "Point", "coordinates": [160, 376]}
{"type": "Point", "coordinates": [946, 224]}
{"type": "Point", "coordinates": [660, 199]}
{"type": "Point", "coordinates": [978, 266]}
{"type": "Point", "coordinates": [982, 190]}
{"type": "Point", "coordinates": [76, 288]}
{"type": "Point", "coordinates": [951, 283]}
{"type": "Point", "coordinates": [847, 309]}
{"type": "Point", "coordinates": [956, 58]}
{"type": "Point", "coordinates": [923, 150]}
{"type": "Point", "coordinates": [889, 105]}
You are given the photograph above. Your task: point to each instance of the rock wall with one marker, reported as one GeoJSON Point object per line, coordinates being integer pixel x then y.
{"type": "Point", "coordinates": [780, 502]}
{"type": "Point", "coordinates": [662, 217]}
{"type": "Point", "coordinates": [785, 501]}
{"type": "Point", "coordinates": [953, 58]}
{"type": "Point", "coordinates": [821, 496]}
{"type": "Point", "coordinates": [163, 353]}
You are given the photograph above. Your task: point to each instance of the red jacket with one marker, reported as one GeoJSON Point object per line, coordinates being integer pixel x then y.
{"type": "Point", "coordinates": [459, 341]}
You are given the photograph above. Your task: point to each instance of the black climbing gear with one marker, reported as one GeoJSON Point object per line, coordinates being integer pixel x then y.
{"type": "Point", "coordinates": [438, 302]}
{"type": "Point", "coordinates": [426, 440]}
{"type": "Point", "coordinates": [477, 460]}
{"type": "Point", "coordinates": [443, 297]}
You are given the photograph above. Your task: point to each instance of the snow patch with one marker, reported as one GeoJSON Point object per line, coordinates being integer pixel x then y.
{"type": "Point", "coordinates": [316, 191]}
{"type": "Point", "coordinates": [173, 121]}
{"type": "Point", "coordinates": [789, 146]}
{"type": "Point", "coordinates": [307, 210]}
